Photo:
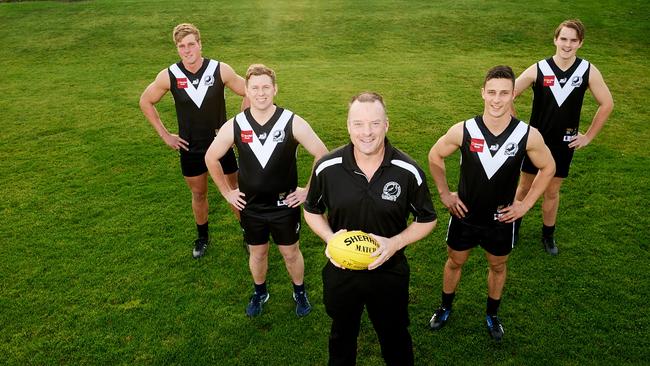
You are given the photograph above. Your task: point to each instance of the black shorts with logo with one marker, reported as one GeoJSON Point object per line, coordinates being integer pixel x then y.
{"type": "Point", "coordinates": [562, 156]}
{"type": "Point", "coordinates": [497, 239]}
{"type": "Point", "coordinates": [282, 224]}
{"type": "Point", "coordinates": [193, 164]}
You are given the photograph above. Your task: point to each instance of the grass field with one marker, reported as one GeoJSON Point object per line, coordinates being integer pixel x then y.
{"type": "Point", "coordinates": [95, 219]}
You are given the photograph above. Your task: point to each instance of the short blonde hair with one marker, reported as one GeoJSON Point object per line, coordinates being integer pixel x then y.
{"type": "Point", "coordinates": [183, 30]}
{"type": "Point", "coordinates": [259, 69]}
{"type": "Point", "coordinates": [573, 24]}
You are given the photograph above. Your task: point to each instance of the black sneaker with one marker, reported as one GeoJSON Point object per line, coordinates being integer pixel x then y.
{"type": "Point", "coordinates": [494, 326]}
{"type": "Point", "coordinates": [200, 245]}
{"type": "Point", "coordinates": [439, 318]}
{"type": "Point", "coordinates": [303, 307]}
{"type": "Point", "coordinates": [256, 303]}
{"type": "Point", "coordinates": [549, 245]}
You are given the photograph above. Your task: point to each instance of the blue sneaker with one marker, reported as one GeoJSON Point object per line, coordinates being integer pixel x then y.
{"type": "Point", "coordinates": [439, 318]}
{"type": "Point", "coordinates": [256, 303]}
{"type": "Point", "coordinates": [494, 326]}
{"type": "Point", "coordinates": [303, 307]}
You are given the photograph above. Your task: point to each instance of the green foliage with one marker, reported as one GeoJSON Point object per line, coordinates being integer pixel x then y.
{"type": "Point", "coordinates": [95, 220]}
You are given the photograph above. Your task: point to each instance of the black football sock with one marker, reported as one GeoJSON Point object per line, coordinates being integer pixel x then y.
{"type": "Point", "coordinates": [298, 288]}
{"type": "Point", "coordinates": [203, 230]}
{"type": "Point", "coordinates": [261, 288]}
{"type": "Point", "coordinates": [492, 306]}
{"type": "Point", "coordinates": [447, 299]}
{"type": "Point", "coordinates": [548, 231]}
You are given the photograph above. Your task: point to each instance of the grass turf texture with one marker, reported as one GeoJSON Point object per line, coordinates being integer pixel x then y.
{"type": "Point", "coordinates": [95, 220]}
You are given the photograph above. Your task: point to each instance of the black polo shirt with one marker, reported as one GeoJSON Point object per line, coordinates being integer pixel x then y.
{"type": "Point", "coordinates": [381, 206]}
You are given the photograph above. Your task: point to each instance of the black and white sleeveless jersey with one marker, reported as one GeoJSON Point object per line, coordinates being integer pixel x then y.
{"type": "Point", "coordinates": [489, 168]}
{"type": "Point", "coordinates": [267, 158]}
{"type": "Point", "coordinates": [557, 101]}
{"type": "Point", "coordinates": [200, 103]}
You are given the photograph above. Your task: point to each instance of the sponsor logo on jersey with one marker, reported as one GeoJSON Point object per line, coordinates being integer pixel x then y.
{"type": "Point", "coordinates": [476, 145]}
{"type": "Point", "coordinates": [511, 149]}
{"type": "Point", "coordinates": [570, 134]}
{"type": "Point", "coordinates": [262, 136]}
{"type": "Point", "coordinates": [494, 147]}
{"type": "Point", "coordinates": [391, 191]}
{"type": "Point", "coordinates": [549, 80]}
{"type": "Point", "coordinates": [576, 81]}
{"type": "Point", "coordinates": [195, 82]}
{"type": "Point", "coordinates": [563, 80]}
{"type": "Point", "coordinates": [181, 83]}
{"type": "Point", "coordinates": [282, 199]}
{"type": "Point", "coordinates": [247, 136]}
{"type": "Point", "coordinates": [278, 136]}
{"type": "Point", "coordinates": [208, 80]}
{"type": "Point", "coordinates": [498, 214]}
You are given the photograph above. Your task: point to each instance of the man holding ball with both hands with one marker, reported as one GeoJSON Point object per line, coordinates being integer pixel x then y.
{"type": "Point", "coordinates": [371, 186]}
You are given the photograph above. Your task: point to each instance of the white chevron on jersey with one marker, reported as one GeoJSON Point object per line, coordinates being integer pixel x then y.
{"type": "Point", "coordinates": [491, 164]}
{"type": "Point", "coordinates": [327, 164]}
{"type": "Point", "coordinates": [264, 151]}
{"type": "Point", "coordinates": [404, 165]}
{"type": "Point", "coordinates": [561, 93]}
{"type": "Point", "coordinates": [197, 94]}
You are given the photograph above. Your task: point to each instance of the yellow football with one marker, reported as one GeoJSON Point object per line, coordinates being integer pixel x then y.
{"type": "Point", "coordinates": [352, 249]}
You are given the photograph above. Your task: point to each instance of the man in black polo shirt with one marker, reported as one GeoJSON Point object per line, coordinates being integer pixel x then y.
{"type": "Point", "coordinates": [369, 185]}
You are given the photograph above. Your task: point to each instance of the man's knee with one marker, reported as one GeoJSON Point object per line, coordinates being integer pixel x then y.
{"type": "Point", "coordinates": [498, 268]}
{"type": "Point", "coordinates": [199, 194]}
{"type": "Point", "coordinates": [552, 192]}
{"type": "Point", "coordinates": [259, 253]}
{"type": "Point", "coordinates": [290, 253]}
{"type": "Point", "coordinates": [455, 263]}
{"type": "Point", "coordinates": [551, 195]}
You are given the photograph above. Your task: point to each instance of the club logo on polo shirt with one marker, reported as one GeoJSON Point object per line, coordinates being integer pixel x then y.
{"type": "Point", "coordinates": [278, 136]}
{"type": "Point", "coordinates": [391, 191]}
{"type": "Point", "coordinates": [511, 149]}
{"type": "Point", "coordinates": [208, 80]}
